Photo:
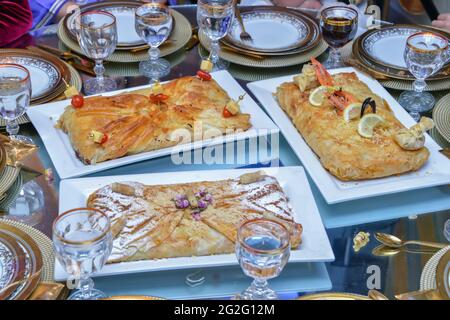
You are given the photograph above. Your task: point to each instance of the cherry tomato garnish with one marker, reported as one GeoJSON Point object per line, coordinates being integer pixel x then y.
{"type": "Point", "coordinates": [77, 101]}
{"type": "Point", "coordinates": [104, 138]}
{"type": "Point", "coordinates": [226, 113]}
{"type": "Point", "coordinates": [158, 97]}
{"type": "Point", "coordinates": [204, 75]}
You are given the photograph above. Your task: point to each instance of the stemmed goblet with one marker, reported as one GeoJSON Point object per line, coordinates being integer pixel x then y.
{"type": "Point", "coordinates": [425, 54]}
{"type": "Point", "coordinates": [153, 23]}
{"type": "Point", "coordinates": [214, 18]}
{"type": "Point", "coordinates": [83, 242]}
{"type": "Point", "coordinates": [339, 25]}
{"type": "Point", "coordinates": [15, 94]}
{"type": "Point", "coordinates": [97, 37]}
{"type": "Point", "coordinates": [262, 249]}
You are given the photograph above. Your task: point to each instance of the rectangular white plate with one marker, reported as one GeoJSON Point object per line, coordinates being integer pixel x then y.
{"type": "Point", "coordinates": [435, 172]}
{"type": "Point", "coordinates": [45, 117]}
{"type": "Point", "coordinates": [314, 248]}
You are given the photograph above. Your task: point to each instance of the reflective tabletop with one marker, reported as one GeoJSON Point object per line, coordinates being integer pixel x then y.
{"type": "Point", "coordinates": [416, 215]}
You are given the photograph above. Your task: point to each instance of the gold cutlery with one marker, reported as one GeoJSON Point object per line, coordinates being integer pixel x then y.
{"type": "Point", "coordinates": [420, 295]}
{"type": "Point", "coordinates": [245, 36]}
{"type": "Point", "coordinates": [67, 55]}
{"type": "Point", "coordinates": [376, 295]}
{"type": "Point", "coordinates": [385, 251]}
{"type": "Point", "coordinates": [248, 54]}
{"type": "Point", "coordinates": [394, 242]}
{"type": "Point", "coordinates": [146, 47]}
{"type": "Point", "coordinates": [47, 291]}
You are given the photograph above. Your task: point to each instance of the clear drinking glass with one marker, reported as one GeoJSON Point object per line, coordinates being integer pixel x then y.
{"type": "Point", "coordinates": [97, 37]}
{"type": "Point", "coordinates": [214, 18]}
{"type": "Point", "coordinates": [15, 94]}
{"type": "Point", "coordinates": [262, 248]}
{"type": "Point", "coordinates": [153, 23]}
{"type": "Point", "coordinates": [425, 54]}
{"type": "Point", "coordinates": [83, 241]}
{"type": "Point", "coordinates": [339, 26]}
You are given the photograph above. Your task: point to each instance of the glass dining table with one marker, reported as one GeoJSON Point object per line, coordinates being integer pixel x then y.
{"type": "Point", "coordinates": [412, 215]}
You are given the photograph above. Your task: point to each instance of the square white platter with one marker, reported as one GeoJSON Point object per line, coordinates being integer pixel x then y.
{"type": "Point", "coordinates": [315, 245]}
{"type": "Point", "coordinates": [434, 173]}
{"type": "Point", "coordinates": [57, 143]}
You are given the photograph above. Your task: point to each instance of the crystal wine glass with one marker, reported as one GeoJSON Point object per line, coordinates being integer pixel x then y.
{"type": "Point", "coordinates": [425, 54]}
{"type": "Point", "coordinates": [215, 18]}
{"type": "Point", "coordinates": [97, 37]}
{"type": "Point", "coordinates": [83, 241]}
{"type": "Point", "coordinates": [262, 248]}
{"type": "Point", "coordinates": [15, 94]}
{"type": "Point", "coordinates": [339, 25]}
{"type": "Point", "coordinates": [153, 23]}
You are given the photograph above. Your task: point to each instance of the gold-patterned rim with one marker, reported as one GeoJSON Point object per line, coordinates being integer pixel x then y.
{"type": "Point", "coordinates": [11, 194]}
{"type": "Point", "coordinates": [86, 26]}
{"type": "Point", "coordinates": [441, 116]}
{"type": "Point", "coordinates": [8, 176]}
{"type": "Point", "coordinates": [443, 276]}
{"type": "Point", "coordinates": [35, 254]}
{"type": "Point", "coordinates": [80, 243]}
{"type": "Point", "coordinates": [181, 34]}
{"type": "Point", "coordinates": [420, 50]}
{"type": "Point", "coordinates": [2, 157]}
{"type": "Point", "coordinates": [396, 69]}
{"type": "Point", "coordinates": [334, 296]}
{"type": "Point", "coordinates": [335, 22]}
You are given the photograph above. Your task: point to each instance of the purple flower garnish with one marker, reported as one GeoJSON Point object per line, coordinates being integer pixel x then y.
{"type": "Point", "coordinates": [180, 197]}
{"type": "Point", "coordinates": [182, 203]}
{"type": "Point", "coordinates": [208, 197]}
{"type": "Point", "coordinates": [202, 191]}
{"type": "Point", "coordinates": [202, 204]}
{"type": "Point", "coordinates": [196, 215]}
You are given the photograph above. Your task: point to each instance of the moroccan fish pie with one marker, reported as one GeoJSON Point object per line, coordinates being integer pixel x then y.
{"type": "Point", "coordinates": [189, 219]}
{"type": "Point", "coordinates": [104, 128]}
{"type": "Point", "coordinates": [353, 132]}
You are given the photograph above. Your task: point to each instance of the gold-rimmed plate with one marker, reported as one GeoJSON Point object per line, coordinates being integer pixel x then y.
{"type": "Point", "coordinates": [12, 264]}
{"type": "Point", "coordinates": [441, 116]}
{"type": "Point", "coordinates": [373, 43]}
{"type": "Point", "coordinates": [390, 72]}
{"type": "Point", "coordinates": [181, 34]}
{"type": "Point", "coordinates": [273, 29]}
{"type": "Point", "coordinates": [3, 157]}
{"type": "Point", "coordinates": [33, 261]}
{"type": "Point", "coordinates": [334, 296]}
{"type": "Point", "coordinates": [8, 176]}
{"type": "Point", "coordinates": [443, 276]}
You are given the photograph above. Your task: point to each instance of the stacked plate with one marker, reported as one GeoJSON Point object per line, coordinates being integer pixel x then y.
{"type": "Point", "coordinates": [47, 72]}
{"type": "Point", "coordinates": [281, 37]}
{"type": "Point", "coordinates": [130, 47]}
{"type": "Point", "coordinates": [381, 52]}
{"type": "Point", "coordinates": [26, 259]}
{"type": "Point", "coordinates": [441, 117]}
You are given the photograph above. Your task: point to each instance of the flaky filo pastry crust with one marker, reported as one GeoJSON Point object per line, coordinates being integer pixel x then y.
{"type": "Point", "coordinates": [341, 150]}
{"type": "Point", "coordinates": [135, 125]}
{"type": "Point", "coordinates": [146, 224]}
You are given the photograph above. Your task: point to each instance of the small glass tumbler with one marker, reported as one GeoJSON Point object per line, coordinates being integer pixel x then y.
{"type": "Point", "coordinates": [83, 242]}
{"type": "Point", "coordinates": [262, 249]}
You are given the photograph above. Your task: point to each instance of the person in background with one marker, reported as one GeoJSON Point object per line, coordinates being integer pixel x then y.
{"type": "Point", "coordinates": [442, 22]}
{"type": "Point", "coordinates": [15, 20]}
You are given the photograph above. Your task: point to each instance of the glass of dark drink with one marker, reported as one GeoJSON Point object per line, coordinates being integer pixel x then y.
{"type": "Point", "coordinates": [339, 25]}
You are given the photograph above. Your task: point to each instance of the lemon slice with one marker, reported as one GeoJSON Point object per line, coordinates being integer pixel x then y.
{"type": "Point", "coordinates": [317, 96]}
{"type": "Point", "coordinates": [352, 111]}
{"type": "Point", "coordinates": [368, 123]}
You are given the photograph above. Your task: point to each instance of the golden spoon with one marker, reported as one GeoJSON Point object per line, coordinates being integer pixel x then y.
{"type": "Point", "coordinates": [394, 242]}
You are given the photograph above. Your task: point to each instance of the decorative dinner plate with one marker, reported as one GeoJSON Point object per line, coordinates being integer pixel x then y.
{"type": "Point", "coordinates": [434, 173]}
{"type": "Point", "coordinates": [12, 263]}
{"type": "Point", "coordinates": [44, 75]}
{"type": "Point", "coordinates": [441, 116]}
{"type": "Point", "coordinates": [431, 276]}
{"type": "Point", "coordinates": [443, 276]}
{"type": "Point", "coordinates": [8, 176]}
{"type": "Point", "coordinates": [127, 38]}
{"type": "Point", "coordinates": [315, 246]}
{"type": "Point", "coordinates": [390, 71]}
{"type": "Point", "coordinates": [272, 29]}
{"type": "Point", "coordinates": [33, 260]}
{"type": "Point", "coordinates": [386, 46]}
